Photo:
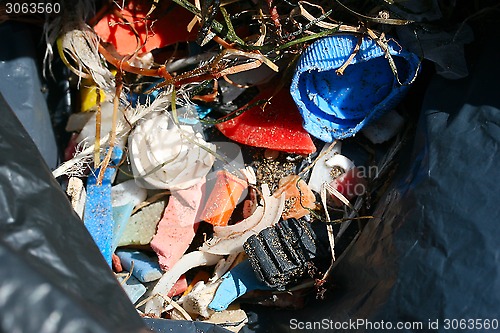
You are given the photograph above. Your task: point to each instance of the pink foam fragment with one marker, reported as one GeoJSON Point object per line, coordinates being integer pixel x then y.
{"type": "Point", "coordinates": [178, 225]}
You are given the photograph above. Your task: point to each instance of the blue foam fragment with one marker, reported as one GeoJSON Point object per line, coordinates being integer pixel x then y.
{"type": "Point", "coordinates": [98, 216]}
{"type": "Point", "coordinates": [146, 268]}
{"type": "Point", "coordinates": [121, 216]}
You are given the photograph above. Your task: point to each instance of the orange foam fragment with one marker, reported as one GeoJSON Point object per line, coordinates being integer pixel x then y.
{"type": "Point", "coordinates": [223, 199]}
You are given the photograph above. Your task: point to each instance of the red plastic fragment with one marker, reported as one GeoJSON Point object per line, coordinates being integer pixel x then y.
{"type": "Point", "coordinates": [179, 287]}
{"type": "Point", "coordinates": [116, 264]}
{"type": "Point", "coordinates": [277, 125]}
{"type": "Point", "coordinates": [351, 184]}
{"type": "Point", "coordinates": [166, 26]}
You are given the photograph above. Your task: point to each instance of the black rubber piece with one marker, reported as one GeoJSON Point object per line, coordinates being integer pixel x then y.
{"type": "Point", "coordinates": [281, 255]}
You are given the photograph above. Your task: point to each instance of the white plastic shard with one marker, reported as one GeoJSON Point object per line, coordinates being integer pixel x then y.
{"type": "Point", "coordinates": [202, 294]}
{"type": "Point", "coordinates": [321, 172]}
{"type": "Point", "coordinates": [158, 303]}
{"type": "Point", "coordinates": [231, 320]}
{"type": "Point", "coordinates": [199, 298]}
{"type": "Point", "coordinates": [223, 267]}
{"type": "Point", "coordinates": [385, 128]}
{"type": "Point", "coordinates": [166, 156]}
{"type": "Point", "coordinates": [230, 239]}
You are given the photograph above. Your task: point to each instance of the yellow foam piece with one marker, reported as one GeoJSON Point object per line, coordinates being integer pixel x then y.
{"type": "Point", "coordinates": [88, 96]}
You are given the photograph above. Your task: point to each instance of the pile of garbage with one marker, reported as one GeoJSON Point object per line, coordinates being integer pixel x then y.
{"type": "Point", "coordinates": [225, 153]}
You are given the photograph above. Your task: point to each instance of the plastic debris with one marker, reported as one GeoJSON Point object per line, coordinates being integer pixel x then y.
{"type": "Point", "coordinates": [200, 276]}
{"type": "Point", "coordinates": [124, 197]}
{"type": "Point", "coordinates": [158, 303]}
{"type": "Point", "coordinates": [283, 254]}
{"type": "Point", "coordinates": [116, 263]}
{"type": "Point", "coordinates": [98, 216]}
{"type": "Point", "coordinates": [232, 320]}
{"type": "Point", "coordinates": [238, 281]}
{"type": "Point", "coordinates": [230, 239]}
{"type": "Point", "coordinates": [275, 125]}
{"type": "Point", "coordinates": [178, 225]}
{"type": "Point", "coordinates": [88, 133]}
{"type": "Point", "coordinates": [88, 96]}
{"type": "Point", "coordinates": [321, 172]}
{"type": "Point", "coordinates": [341, 162]}
{"type": "Point", "coordinates": [76, 192]}
{"type": "Point", "coordinates": [179, 287]}
{"type": "Point", "coordinates": [77, 121]}
{"type": "Point", "coordinates": [132, 286]}
{"type": "Point", "coordinates": [143, 267]}
{"type": "Point", "coordinates": [181, 164]}
{"type": "Point", "coordinates": [336, 106]}
{"type": "Point", "coordinates": [153, 32]}
{"type": "Point", "coordinates": [223, 198]}
{"type": "Point", "coordinates": [299, 198]}
{"type": "Point", "coordinates": [198, 300]}
{"type": "Point", "coordinates": [142, 225]}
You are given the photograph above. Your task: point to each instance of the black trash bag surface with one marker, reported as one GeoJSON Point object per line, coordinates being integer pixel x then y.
{"type": "Point", "coordinates": [52, 276]}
